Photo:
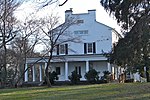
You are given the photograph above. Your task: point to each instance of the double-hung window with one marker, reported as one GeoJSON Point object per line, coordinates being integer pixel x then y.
{"type": "Point", "coordinates": [62, 49]}
{"type": "Point", "coordinates": [89, 48]}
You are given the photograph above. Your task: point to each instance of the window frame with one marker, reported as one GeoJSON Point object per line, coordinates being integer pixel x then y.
{"type": "Point", "coordinates": [89, 48]}
{"type": "Point", "coordinates": [92, 47]}
{"type": "Point", "coordinates": [62, 49]}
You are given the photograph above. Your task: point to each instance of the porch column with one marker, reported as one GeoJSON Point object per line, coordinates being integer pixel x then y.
{"type": "Point", "coordinates": [145, 71]}
{"type": "Point", "coordinates": [33, 73]}
{"type": "Point", "coordinates": [113, 72]}
{"type": "Point", "coordinates": [87, 66]}
{"type": "Point", "coordinates": [116, 72]}
{"type": "Point", "coordinates": [40, 68]}
{"type": "Point", "coordinates": [109, 67]}
{"type": "Point", "coordinates": [26, 73]}
{"type": "Point", "coordinates": [66, 71]}
{"type": "Point", "coordinates": [45, 65]}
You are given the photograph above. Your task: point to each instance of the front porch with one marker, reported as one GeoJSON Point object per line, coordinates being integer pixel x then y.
{"type": "Point", "coordinates": [63, 68]}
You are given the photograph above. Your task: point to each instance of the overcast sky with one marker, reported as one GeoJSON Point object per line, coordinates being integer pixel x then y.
{"type": "Point", "coordinates": [79, 6]}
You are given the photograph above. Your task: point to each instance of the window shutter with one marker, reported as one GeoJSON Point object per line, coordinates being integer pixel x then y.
{"type": "Point", "coordinates": [66, 48]}
{"type": "Point", "coordinates": [85, 48]}
{"type": "Point", "coordinates": [94, 47]}
{"type": "Point", "coordinates": [58, 49]}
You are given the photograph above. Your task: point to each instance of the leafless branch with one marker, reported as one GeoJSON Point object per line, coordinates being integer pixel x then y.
{"type": "Point", "coordinates": [63, 3]}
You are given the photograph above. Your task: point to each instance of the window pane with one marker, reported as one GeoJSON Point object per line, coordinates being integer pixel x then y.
{"type": "Point", "coordinates": [90, 48]}
{"type": "Point", "coordinates": [62, 49]}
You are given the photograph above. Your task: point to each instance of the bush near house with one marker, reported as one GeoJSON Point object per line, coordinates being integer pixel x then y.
{"type": "Point", "coordinates": [106, 77]}
{"type": "Point", "coordinates": [74, 77]}
{"type": "Point", "coordinates": [92, 76]}
{"type": "Point", "coordinates": [52, 77]}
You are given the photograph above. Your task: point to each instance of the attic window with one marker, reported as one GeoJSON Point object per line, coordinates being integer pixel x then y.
{"type": "Point", "coordinates": [80, 21]}
{"type": "Point", "coordinates": [81, 32]}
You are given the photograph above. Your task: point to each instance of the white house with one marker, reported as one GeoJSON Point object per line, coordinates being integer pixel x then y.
{"type": "Point", "coordinates": [96, 37]}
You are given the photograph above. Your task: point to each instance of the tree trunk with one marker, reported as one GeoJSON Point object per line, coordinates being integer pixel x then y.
{"type": "Point", "coordinates": [46, 70]}
{"type": "Point", "coordinates": [4, 67]}
{"type": "Point", "coordinates": [47, 77]}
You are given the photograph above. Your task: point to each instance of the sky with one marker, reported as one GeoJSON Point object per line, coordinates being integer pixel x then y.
{"type": "Point", "coordinates": [78, 6]}
{"type": "Point", "coordinates": [82, 6]}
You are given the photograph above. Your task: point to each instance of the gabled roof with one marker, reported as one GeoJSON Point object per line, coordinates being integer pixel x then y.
{"type": "Point", "coordinates": [113, 29]}
{"type": "Point", "coordinates": [104, 25]}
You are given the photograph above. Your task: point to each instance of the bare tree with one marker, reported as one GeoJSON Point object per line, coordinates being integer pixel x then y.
{"type": "Point", "coordinates": [24, 44]}
{"type": "Point", "coordinates": [54, 35]}
{"type": "Point", "coordinates": [44, 3]}
{"type": "Point", "coordinates": [8, 30]}
{"type": "Point", "coordinates": [10, 33]}
{"type": "Point", "coordinates": [63, 3]}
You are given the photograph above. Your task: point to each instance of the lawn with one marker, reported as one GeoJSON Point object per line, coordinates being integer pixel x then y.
{"type": "Point", "coordinates": [128, 91]}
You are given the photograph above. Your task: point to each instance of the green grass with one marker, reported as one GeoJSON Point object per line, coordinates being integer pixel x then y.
{"type": "Point", "coordinates": [129, 91]}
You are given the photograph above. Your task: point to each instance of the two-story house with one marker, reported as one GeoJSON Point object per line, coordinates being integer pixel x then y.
{"type": "Point", "coordinates": [96, 37]}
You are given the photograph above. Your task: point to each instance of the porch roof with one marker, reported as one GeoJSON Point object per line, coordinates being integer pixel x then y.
{"type": "Point", "coordinates": [68, 58]}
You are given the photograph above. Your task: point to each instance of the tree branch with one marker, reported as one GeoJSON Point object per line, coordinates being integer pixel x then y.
{"type": "Point", "coordinates": [63, 3]}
